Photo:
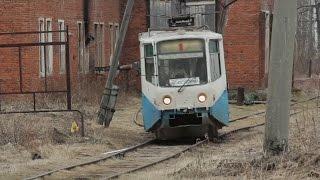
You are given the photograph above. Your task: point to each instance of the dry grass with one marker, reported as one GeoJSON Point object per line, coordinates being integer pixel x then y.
{"type": "Point", "coordinates": [24, 128]}
{"type": "Point", "coordinates": [49, 135]}
{"type": "Point", "coordinates": [33, 132]}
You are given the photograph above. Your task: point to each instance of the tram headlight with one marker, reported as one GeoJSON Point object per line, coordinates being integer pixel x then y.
{"type": "Point", "coordinates": [202, 98]}
{"type": "Point", "coordinates": [167, 100]}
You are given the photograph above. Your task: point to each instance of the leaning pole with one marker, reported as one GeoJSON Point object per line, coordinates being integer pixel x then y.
{"type": "Point", "coordinates": [109, 97]}
{"type": "Point", "coordinates": [280, 76]}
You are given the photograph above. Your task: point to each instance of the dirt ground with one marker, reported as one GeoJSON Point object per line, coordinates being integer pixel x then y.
{"type": "Point", "coordinates": [240, 156]}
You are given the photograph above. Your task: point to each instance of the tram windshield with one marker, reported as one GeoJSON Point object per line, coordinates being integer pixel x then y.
{"type": "Point", "coordinates": [182, 63]}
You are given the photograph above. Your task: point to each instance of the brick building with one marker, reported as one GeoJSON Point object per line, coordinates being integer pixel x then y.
{"type": "Point", "coordinates": [94, 25]}
{"type": "Point", "coordinates": [87, 50]}
{"type": "Point", "coordinates": [244, 44]}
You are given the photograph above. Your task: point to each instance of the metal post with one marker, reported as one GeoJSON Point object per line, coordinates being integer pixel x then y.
{"type": "Point", "coordinates": [127, 80]}
{"type": "Point", "coordinates": [68, 79]}
{"type": "Point", "coordinates": [45, 69]}
{"type": "Point", "coordinates": [310, 67]}
{"type": "Point", "coordinates": [295, 57]}
{"type": "Point", "coordinates": [82, 125]}
{"type": "Point", "coordinates": [280, 74]}
{"type": "Point", "coordinates": [318, 27]}
{"type": "Point", "coordinates": [20, 70]}
{"type": "Point", "coordinates": [240, 98]}
{"type": "Point", "coordinates": [0, 95]}
{"type": "Point", "coordinates": [34, 101]}
{"type": "Point", "coordinates": [267, 47]}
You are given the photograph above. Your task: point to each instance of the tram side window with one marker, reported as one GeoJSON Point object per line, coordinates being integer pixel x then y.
{"type": "Point", "coordinates": [149, 63]}
{"type": "Point", "coordinates": [214, 60]}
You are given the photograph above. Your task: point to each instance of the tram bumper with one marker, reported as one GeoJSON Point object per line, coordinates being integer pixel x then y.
{"type": "Point", "coordinates": [183, 123]}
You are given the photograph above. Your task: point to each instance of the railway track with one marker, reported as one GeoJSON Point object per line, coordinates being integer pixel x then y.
{"type": "Point", "coordinates": [128, 160]}
{"type": "Point", "coordinates": [134, 158]}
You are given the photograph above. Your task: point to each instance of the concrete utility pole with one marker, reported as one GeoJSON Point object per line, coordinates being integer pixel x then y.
{"type": "Point", "coordinates": [280, 74]}
{"type": "Point", "coordinates": [109, 96]}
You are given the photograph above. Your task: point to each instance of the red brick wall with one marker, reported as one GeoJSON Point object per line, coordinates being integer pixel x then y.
{"type": "Point", "coordinates": [23, 15]}
{"type": "Point", "coordinates": [107, 12]}
{"type": "Point", "coordinates": [242, 45]}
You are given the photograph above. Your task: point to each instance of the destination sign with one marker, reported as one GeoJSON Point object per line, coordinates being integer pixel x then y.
{"type": "Point", "coordinates": [181, 46]}
{"type": "Point", "coordinates": [184, 81]}
{"type": "Point", "coordinates": [181, 21]}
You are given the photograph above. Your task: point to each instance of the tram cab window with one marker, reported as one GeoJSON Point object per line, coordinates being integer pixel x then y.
{"type": "Point", "coordinates": [214, 60]}
{"type": "Point", "coordinates": [149, 63]}
{"type": "Point", "coordinates": [182, 62]}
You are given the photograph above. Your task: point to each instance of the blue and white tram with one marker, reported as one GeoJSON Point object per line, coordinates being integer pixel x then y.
{"type": "Point", "coordinates": [184, 84]}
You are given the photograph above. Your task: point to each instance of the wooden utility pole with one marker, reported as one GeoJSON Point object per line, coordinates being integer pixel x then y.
{"type": "Point", "coordinates": [280, 76]}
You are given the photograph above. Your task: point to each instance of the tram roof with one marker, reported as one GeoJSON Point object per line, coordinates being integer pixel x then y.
{"type": "Point", "coordinates": [177, 34]}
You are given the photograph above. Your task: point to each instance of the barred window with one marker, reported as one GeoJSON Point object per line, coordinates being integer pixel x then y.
{"type": "Point", "coordinates": [149, 63]}
{"type": "Point", "coordinates": [215, 60]}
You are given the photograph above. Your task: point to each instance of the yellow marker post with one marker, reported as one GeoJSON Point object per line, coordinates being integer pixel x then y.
{"type": "Point", "coordinates": [74, 127]}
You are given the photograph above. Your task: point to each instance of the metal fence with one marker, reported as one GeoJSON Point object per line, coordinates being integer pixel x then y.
{"type": "Point", "coordinates": [21, 77]}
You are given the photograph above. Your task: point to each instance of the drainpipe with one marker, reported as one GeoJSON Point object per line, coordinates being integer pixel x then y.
{"type": "Point", "coordinates": [148, 13]}
{"type": "Point", "coordinates": [86, 20]}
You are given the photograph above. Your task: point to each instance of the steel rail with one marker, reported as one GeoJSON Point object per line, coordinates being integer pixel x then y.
{"type": "Point", "coordinates": [161, 160]}
{"type": "Point", "coordinates": [262, 112]}
{"type": "Point", "coordinates": [182, 151]}
{"type": "Point", "coordinates": [91, 161]}
{"type": "Point", "coordinates": [146, 165]}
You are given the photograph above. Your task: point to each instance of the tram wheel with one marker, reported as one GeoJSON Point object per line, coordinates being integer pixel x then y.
{"type": "Point", "coordinates": [213, 132]}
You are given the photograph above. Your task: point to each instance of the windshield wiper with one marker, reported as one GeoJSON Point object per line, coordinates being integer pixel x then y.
{"type": "Point", "coordinates": [184, 84]}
